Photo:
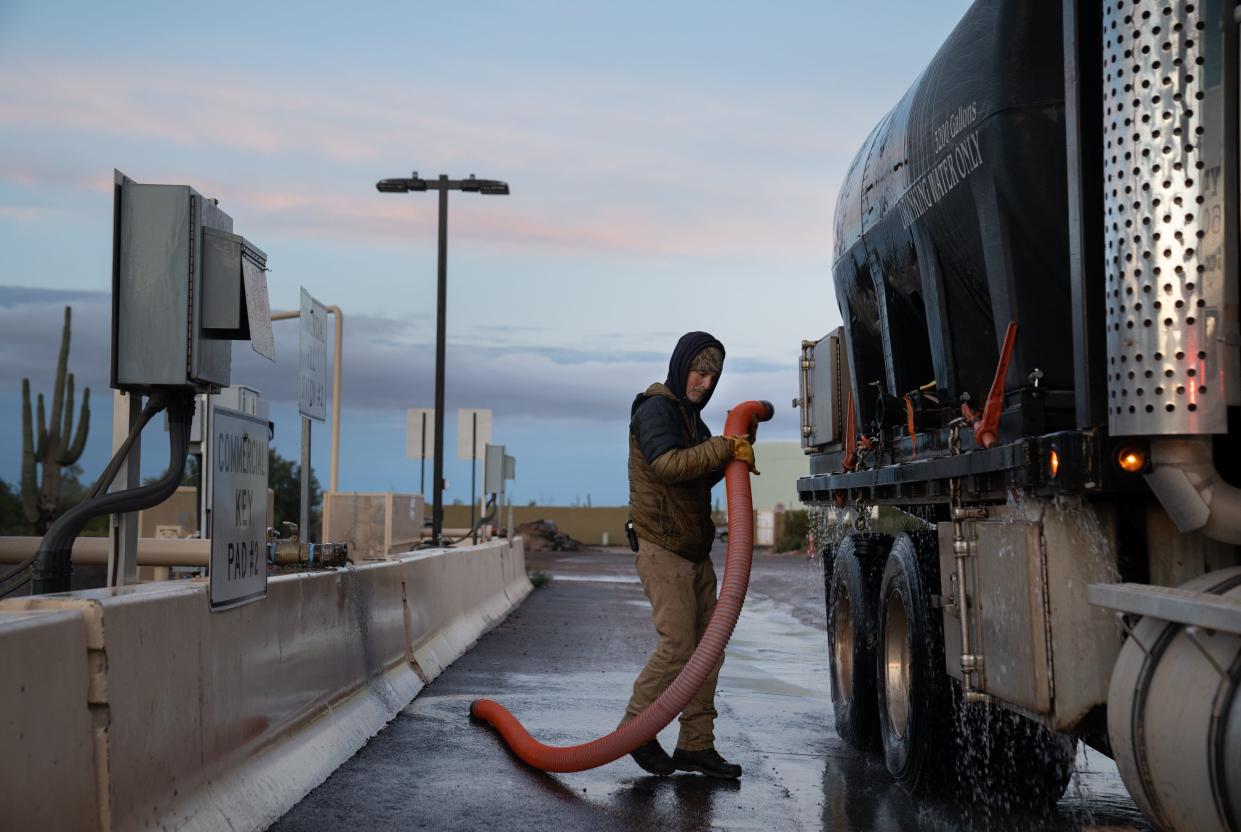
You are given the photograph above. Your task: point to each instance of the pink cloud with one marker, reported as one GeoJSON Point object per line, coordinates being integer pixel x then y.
{"type": "Point", "coordinates": [680, 174]}
{"type": "Point", "coordinates": [611, 229]}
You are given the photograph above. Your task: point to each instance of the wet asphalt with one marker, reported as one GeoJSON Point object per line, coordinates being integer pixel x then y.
{"type": "Point", "coordinates": [564, 662]}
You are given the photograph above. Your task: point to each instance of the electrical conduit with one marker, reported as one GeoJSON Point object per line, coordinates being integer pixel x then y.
{"type": "Point", "coordinates": [676, 697]}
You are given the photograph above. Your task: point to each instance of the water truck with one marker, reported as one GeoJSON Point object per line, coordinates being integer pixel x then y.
{"type": "Point", "coordinates": [1026, 435]}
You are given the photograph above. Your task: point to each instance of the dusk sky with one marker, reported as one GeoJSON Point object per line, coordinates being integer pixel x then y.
{"type": "Point", "coordinates": [673, 166]}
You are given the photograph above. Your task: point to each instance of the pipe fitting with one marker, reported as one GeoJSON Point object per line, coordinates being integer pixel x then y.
{"type": "Point", "coordinates": [1191, 490]}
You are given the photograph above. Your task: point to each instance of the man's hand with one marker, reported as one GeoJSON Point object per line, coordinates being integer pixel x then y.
{"type": "Point", "coordinates": [744, 451]}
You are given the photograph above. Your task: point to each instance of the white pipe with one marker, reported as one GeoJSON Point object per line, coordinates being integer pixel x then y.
{"type": "Point", "coordinates": [340, 326]}
{"type": "Point", "coordinates": [1191, 490]}
{"type": "Point", "coordinates": [152, 551]}
{"type": "Point", "coordinates": [337, 350]}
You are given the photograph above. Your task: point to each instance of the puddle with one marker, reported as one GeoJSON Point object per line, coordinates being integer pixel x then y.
{"type": "Point", "coordinates": [773, 652]}
{"type": "Point", "coordinates": [565, 668]}
{"type": "Point", "coordinates": [601, 579]}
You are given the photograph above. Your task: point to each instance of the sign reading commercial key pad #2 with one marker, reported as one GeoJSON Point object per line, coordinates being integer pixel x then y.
{"type": "Point", "coordinates": [239, 515]}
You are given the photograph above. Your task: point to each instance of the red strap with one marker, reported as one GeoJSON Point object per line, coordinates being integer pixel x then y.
{"type": "Point", "coordinates": [850, 436]}
{"type": "Point", "coordinates": [987, 431]}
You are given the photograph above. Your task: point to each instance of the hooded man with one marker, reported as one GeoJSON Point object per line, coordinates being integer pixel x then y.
{"type": "Point", "coordinates": [673, 463]}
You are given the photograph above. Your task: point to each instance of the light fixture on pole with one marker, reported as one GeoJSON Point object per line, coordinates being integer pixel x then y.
{"type": "Point", "coordinates": [488, 187]}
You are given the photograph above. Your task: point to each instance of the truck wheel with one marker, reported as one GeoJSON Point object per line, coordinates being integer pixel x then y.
{"type": "Point", "coordinates": [851, 638]}
{"type": "Point", "coordinates": [915, 709]}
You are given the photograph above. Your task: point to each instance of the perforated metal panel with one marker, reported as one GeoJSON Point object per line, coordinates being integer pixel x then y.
{"type": "Point", "coordinates": [1164, 218]}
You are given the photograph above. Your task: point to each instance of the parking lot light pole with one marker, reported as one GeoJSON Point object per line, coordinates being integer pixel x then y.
{"type": "Point", "coordinates": [487, 187]}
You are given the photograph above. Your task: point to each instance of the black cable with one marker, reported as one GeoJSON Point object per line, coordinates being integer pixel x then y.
{"type": "Point", "coordinates": [154, 404]}
{"type": "Point", "coordinates": [482, 521]}
{"type": "Point", "coordinates": [180, 413]}
{"type": "Point", "coordinates": [436, 544]}
{"type": "Point", "coordinates": [13, 573]}
{"type": "Point", "coordinates": [52, 566]}
{"type": "Point", "coordinates": [6, 593]}
{"type": "Point", "coordinates": [101, 484]}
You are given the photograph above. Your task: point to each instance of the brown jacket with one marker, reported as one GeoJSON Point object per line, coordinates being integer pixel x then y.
{"type": "Point", "coordinates": [670, 496]}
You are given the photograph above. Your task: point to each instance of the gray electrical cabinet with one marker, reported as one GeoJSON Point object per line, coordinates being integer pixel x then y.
{"type": "Point", "coordinates": [493, 469]}
{"type": "Point", "coordinates": [178, 294]}
{"type": "Point", "coordinates": [498, 467]}
{"type": "Point", "coordinates": [824, 391]}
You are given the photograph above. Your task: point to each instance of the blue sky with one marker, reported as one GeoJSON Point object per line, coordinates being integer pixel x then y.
{"type": "Point", "coordinates": [673, 166]}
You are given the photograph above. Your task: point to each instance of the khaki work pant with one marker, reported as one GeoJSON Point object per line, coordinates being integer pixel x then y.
{"type": "Point", "coordinates": [682, 596]}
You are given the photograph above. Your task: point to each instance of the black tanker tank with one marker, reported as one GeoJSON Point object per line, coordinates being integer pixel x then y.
{"type": "Point", "coordinates": [952, 222]}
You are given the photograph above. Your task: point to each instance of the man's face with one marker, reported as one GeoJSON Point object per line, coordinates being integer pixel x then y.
{"type": "Point", "coordinates": [697, 385]}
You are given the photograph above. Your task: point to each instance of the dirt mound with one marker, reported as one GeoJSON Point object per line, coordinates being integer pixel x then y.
{"type": "Point", "coordinates": [542, 536]}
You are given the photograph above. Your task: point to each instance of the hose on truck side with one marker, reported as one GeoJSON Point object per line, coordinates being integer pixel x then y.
{"type": "Point", "coordinates": [676, 697]}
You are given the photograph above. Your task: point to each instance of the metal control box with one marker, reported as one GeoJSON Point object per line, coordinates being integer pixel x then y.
{"type": "Point", "coordinates": [498, 468]}
{"type": "Point", "coordinates": [824, 390]}
{"type": "Point", "coordinates": [178, 294]}
{"type": "Point", "coordinates": [493, 469]}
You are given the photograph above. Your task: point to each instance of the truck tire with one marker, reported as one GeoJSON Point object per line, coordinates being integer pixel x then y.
{"type": "Point", "coordinates": [851, 637]}
{"type": "Point", "coordinates": [913, 693]}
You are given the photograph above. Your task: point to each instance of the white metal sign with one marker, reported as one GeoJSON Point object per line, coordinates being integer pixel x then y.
{"type": "Point", "coordinates": [312, 344]}
{"type": "Point", "coordinates": [238, 460]}
{"type": "Point", "coordinates": [420, 433]}
{"type": "Point", "coordinates": [473, 432]}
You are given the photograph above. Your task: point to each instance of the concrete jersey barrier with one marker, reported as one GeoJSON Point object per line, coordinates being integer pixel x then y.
{"type": "Point", "coordinates": [138, 708]}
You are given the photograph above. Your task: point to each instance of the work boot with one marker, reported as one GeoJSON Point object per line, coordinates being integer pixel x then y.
{"type": "Point", "coordinates": [708, 762]}
{"type": "Point", "coordinates": [652, 758]}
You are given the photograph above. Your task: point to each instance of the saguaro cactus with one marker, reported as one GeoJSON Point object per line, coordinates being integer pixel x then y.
{"type": "Point", "coordinates": [52, 448]}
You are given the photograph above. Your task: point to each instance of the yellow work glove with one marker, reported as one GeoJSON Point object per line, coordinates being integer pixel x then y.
{"type": "Point", "coordinates": [743, 450]}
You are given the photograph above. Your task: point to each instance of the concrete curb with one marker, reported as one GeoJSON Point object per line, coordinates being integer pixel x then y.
{"type": "Point", "coordinates": [193, 720]}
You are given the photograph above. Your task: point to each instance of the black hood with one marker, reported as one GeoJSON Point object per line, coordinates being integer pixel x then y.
{"type": "Point", "coordinates": [691, 344]}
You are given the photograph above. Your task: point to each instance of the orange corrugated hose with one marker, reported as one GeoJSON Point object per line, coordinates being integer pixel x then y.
{"type": "Point", "coordinates": [673, 700]}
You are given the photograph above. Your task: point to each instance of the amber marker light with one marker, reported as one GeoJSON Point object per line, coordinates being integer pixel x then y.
{"type": "Point", "coordinates": [1053, 463]}
{"type": "Point", "coordinates": [1131, 460]}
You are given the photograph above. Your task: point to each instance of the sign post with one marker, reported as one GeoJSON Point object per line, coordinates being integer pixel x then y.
{"type": "Point", "coordinates": [239, 521]}
{"type": "Point", "coordinates": [473, 433]}
{"type": "Point", "coordinates": [312, 387]}
{"type": "Point", "coordinates": [419, 436]}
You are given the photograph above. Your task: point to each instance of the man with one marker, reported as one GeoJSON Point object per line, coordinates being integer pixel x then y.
{"type": "Point", "coordinates": [673, 463]}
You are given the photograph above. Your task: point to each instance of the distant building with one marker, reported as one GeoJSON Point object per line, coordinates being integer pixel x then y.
{"type": "Point", "coordinates": [781, 463]}
{"type": "Point", "coordinates": [775, 490]}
